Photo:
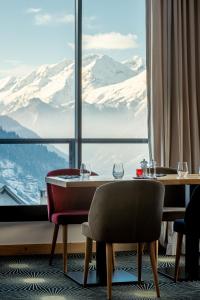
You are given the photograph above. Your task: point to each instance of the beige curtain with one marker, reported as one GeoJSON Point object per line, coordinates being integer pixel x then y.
{"type": "Point", "coordinates": [173, 68]}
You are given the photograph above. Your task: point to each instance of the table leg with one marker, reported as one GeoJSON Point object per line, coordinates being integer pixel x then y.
{"type": "Point", "coordinates": [101, 263]}
{"type": "Point", "coordinates": [98, 276]}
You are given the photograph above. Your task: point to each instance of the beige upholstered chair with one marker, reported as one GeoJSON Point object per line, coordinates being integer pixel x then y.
{"type": "Point", "coordinates": [125, 212]}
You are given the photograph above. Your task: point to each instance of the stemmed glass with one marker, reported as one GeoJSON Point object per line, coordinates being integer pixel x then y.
{"type": "Point", "coordinates": [118, 170]}
{"type": "Point", "coordinates": [182, 169]}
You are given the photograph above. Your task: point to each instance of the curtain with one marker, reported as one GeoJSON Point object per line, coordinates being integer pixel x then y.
{"type": "Point", "coordinates": [173, 81]}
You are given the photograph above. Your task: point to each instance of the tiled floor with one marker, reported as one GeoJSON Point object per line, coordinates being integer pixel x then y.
{"type": "Point", "coordinates": [30, 277]}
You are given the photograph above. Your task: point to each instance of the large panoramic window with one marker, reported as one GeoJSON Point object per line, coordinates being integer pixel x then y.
{"type": "Point", "coordinates": [114, 80]}
{"type": "Point", "coordinates": [37, 90]}
{"type": "Point", "coordinates": [36, 94]}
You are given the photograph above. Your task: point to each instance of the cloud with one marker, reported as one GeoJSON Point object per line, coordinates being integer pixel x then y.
{"type": "Point", "coordinates": [42, 19]}
{"type": "Point", "coordinates": [65, 19]}
{"type": "Point", "coordinates": [32, 10]}
{"type": "Point", "coordinates": [111, 40]}
{"type": "Point", "coordinates": [53, 19]}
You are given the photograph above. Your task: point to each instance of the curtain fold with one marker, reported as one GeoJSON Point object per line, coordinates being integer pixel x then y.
{"type": "Point", "coordinates": [173, 81]}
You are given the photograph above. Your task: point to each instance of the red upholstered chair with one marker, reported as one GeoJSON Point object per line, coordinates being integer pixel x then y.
{"type": "Point", "coordinates": [67, 206]}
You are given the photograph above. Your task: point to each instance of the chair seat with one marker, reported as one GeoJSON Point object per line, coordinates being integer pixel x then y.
{"type": "Point", "coordinates": [173, 213]}
{"type": "Point", "coordinates": [70, 217]}
{"type": "Point", "coordinates": [179, 226]}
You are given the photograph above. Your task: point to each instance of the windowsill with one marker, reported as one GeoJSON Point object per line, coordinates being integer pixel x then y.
{"type": "Point", "coordinates": [22, 213]}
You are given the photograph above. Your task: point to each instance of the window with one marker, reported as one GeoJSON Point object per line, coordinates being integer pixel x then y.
{"type": "Point", "coordinates": [37, 90]}
{"type": "Point", "coordinates": [101, 156]}
{"type": "Point", "coordinates": [36, 95]}
{"type": "Point", "coordinates": [113, 69]}
{"type": "Point", "coordinates": [114, 82]}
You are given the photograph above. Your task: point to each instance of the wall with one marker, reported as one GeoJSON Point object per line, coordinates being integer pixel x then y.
{"type": "Point", "coordinates": [15, 233]}
{"type": "Point", "coordinates": [35, 238]}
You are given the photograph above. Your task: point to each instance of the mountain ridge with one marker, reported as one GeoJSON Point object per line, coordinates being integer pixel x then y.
{"type": "Point", "coordinates": [54, 84]}
{"type": "Point", "coordinates": [43, 101]}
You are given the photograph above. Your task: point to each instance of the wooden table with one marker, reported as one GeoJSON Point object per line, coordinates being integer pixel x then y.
{"type": "Point", "coordinates": [99, 277]}
{"type": "Point", "coordinates": [95, 181]}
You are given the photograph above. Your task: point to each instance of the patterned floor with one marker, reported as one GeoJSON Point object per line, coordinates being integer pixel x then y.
{"type": "Point", "coordinates": [31, 278]}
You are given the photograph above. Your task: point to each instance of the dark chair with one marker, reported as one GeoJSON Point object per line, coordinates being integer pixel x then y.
{"type": "Point", "coordinates": [190, 224]}
{"type": "Point", "coordinates": [125, 212]}
{"type": "Point", "coordinates": [67, 206]}
{"type": "Point", "coordinates": [174, 201]}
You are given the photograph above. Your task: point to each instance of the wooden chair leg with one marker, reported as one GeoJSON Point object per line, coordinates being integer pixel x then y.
{"type": "Point", "coordinates": [139, 259]}
{"type": "Point", "coordinates": [55, 235]}
{"type": "Point", "coordinates": [88, 253]}
{"type": "Point", "coordinates": [64, 231]}
{"type": "Point", "coordinates": [90, 250]}
{"type": "Point", "coordinates": [178, 255]}
{"type": "Point", "coordinates": [109, 266]}
{"type": "Point", "coordinates": [154, 266]}
{"type": "Point", "coordinates": [156, 251]}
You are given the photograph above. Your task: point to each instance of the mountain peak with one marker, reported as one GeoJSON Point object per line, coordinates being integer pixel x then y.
{"type": "Point", "coordinates": [90, 58]}
{"type": "Point", "coordinates": [101, 70]}
{"type": "Point", "coordinates": [136, 64]}
{"type": "Point", "coordinates": [52, 69]}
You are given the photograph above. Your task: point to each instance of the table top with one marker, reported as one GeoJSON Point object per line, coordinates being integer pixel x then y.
{"type": "Point", "coordinates": [95, 181]}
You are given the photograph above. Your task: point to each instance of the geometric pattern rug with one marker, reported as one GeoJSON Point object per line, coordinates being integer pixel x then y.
{"type": "Point", "coordinates": [31, 278]}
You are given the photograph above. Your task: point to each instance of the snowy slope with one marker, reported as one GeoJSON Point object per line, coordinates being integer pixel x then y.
{"type": "Point", "coordinates": [136, 64]}
{"type": "Point", "coordinates": [54, 84]}
{"type": "Point", "coordinates": [43, 101]}
{"type": "Point", "coordinates": [123, 93]}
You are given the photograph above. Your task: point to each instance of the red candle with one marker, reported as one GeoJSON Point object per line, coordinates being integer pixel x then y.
{"type": "Point", "coordinates": [139, 172]}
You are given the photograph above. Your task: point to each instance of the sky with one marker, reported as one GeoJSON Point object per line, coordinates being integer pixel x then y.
{"type": "Point", "coordinates": [35, 32]}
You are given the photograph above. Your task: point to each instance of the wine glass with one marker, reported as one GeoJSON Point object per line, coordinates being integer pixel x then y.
{"type": "Point", "coordinates": [118, 170]}
{"type": "Point", "coordinates": [85, 170]}
{"type": "Point", "coordinates": [182, 169]}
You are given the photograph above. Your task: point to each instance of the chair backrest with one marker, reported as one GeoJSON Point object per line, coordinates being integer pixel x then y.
{"type": "Point", "coordinates": [174, 195]}
{"type": "Point", "coordinates": [127, 211]}
{"type": "Point", "coordinates": [63, 199]}
{"type": "Point", "coordinates": [192, 214]}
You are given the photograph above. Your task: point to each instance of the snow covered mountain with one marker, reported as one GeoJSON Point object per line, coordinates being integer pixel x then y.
{"type": "Point", "coordinates": [43, 101]}
{"type": "Point", "coordinates": [24, 167]}
{"type": "Point", "coordinates": [41, 104]}
{"type": "Point", "coordinates": [54, 84]}
{"type": "Point", "coordinates": [10, 125]}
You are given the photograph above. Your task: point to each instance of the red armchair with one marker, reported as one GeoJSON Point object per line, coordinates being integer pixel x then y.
{"type": "Point", "coordinates": [67, 206]}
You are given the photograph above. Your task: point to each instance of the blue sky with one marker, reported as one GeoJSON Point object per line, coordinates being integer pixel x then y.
{"type": "Point", "coordinates": [39, 32]}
